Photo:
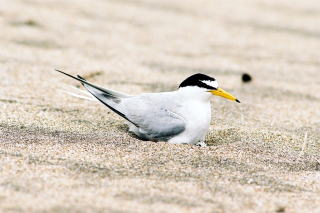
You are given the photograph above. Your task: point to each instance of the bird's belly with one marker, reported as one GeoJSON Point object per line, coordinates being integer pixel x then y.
{"type": "Point", "coordinates": [198, 129]}
{"type": "Point", "coordinates": [197, 125]}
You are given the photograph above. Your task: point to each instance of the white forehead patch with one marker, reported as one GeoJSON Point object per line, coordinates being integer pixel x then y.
{"type": "Point", "coordinates": [211, 83]}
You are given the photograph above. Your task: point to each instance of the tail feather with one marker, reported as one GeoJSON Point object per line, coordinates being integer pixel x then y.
{"type": "Point", "coordinates": [76, 92]}
{"type": "Point", "coordinates": [77, 95]}
{"type": "Point", "coordinates": [83, 92]}
{"type": "Point", "coordinates": [108, 97]}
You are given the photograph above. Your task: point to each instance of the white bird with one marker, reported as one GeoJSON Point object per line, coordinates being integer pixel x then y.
{"type": "Point", "coordinates": [179, 117]}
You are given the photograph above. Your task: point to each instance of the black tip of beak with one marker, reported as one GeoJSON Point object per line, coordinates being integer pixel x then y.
{"type": "Point", "coordinates": [238, 101]}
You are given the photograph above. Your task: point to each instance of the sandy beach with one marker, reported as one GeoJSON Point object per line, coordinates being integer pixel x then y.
{"type": "Point", "coordinates": [59, 153]}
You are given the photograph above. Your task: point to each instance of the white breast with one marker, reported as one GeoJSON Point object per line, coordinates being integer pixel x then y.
{"type": "Point", "coordinates": [198, 117]}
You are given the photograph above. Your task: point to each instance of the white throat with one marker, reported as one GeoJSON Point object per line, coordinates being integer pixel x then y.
{"type": "Point", "coordinates": [195, 93]}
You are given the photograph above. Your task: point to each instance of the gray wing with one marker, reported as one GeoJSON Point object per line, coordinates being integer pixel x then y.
{"type": "Point", "coordinates": [154, 116]}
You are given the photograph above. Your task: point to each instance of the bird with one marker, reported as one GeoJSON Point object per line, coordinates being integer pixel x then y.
{"type": "Point", "coordinates": [182, 116]}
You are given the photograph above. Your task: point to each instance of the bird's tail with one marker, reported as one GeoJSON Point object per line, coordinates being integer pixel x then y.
{"type": "Point", "coordinates": [76, 92]}
{"type": "Point", "coordinates": [110, 98]}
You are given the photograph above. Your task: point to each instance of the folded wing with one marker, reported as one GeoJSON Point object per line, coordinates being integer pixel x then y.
{"type": "Point", "coordinates": [156, 121]}
{"type": "Point", "coordinates": [149, 113]}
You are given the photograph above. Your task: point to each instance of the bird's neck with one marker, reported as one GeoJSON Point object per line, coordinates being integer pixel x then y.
{"type": "Point", "coordinates": [194, 93]}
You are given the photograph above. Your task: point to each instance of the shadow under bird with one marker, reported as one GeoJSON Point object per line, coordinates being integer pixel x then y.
{"type": "Point", "coordinates": [180, 117]}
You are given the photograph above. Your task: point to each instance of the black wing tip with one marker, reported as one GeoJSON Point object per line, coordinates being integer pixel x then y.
{"type": "Point", "coordinates": [78, 76]}
{"type": "Point", "coordinates": [81, 77]}
{"type": "Point", "coordinates": [59, 71]}
{"type": "Point", "coordinates": [64, 73]}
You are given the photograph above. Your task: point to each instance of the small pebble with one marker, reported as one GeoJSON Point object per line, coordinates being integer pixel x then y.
{"type": "Point", "coordinates": [246, 78]}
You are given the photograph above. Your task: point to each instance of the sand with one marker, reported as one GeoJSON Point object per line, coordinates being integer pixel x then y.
{"type": "Point", "coordinates": [63, 154]}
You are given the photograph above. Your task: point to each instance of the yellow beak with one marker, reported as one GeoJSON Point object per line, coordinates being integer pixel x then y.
{"type": "Point", "coordinates": [222, 93]}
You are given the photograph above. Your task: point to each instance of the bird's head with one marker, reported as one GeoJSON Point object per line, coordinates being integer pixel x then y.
{"type": "Point", "coordinates": [206, 83]}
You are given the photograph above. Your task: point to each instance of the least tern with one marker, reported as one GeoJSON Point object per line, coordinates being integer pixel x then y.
{"type": "Point", "coordinates": [179, 117]}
